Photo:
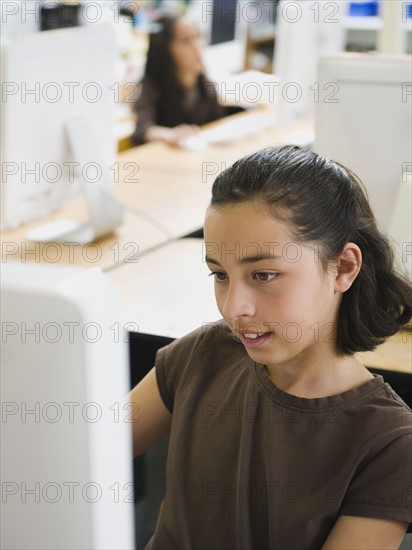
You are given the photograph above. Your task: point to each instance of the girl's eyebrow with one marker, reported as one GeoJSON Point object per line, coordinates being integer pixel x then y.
{"type": "Point", "coordinates": [246, 260]}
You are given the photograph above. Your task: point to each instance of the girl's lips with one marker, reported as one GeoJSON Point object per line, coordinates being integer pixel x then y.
{"type": "Point", "coordinates": [254, 342]}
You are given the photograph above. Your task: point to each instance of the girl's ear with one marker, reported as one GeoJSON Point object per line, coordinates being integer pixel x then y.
{"type": "Point", "coordinates": [348, 266]}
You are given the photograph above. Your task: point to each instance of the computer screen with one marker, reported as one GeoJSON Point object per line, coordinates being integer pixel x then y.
{"type": "Point", "coordinates": [224, 25]}
{"type": "Point", "coordinates": [66, 425]}
{"type": "Point", "coordinates": [48, 80]}
{"type": "Point", "coordinates": [363, 120]}
{"type": "Point", "coordinates": [223, 21]}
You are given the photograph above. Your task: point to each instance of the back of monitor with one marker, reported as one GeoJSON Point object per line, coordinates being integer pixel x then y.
{"type": "Point", "coordinates": [66, 452]}
{"type": "Point", "coordinates": [363, 121]}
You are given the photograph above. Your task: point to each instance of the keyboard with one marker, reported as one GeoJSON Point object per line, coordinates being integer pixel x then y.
{"type": "Point", "coordinates": [232, 130]}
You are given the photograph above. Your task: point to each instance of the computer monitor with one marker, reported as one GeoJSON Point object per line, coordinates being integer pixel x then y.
{"type": "Point", "coordinates": [363, 120]}
{"type": "Point", "coordinates": [224, 16]}
{"type": "Point", "coordinates": [302, 37]}
{"type": "Point", "coordinates": [19, 18]}
{"type": "Point", "coordinates": [224, 25]}
{"type": "Point", "coordinates": [66, 427]}
{"type": "Point", "coordinates": [57, 128]}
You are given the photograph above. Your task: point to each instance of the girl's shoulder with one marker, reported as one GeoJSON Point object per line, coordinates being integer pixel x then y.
{"type": "Point", "coordinates": [197, 360]}
{"type": "Point", "coordinates": [388, 401]}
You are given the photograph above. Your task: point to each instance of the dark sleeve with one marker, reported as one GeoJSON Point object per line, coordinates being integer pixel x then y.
{"type": "Point", "coordinates": [383, 489]}
{"type": "Point", "coordinates": [163, 383]}
{"type": "Point", "coordinates": [173, 361]}
{"type": "Point", "coordinates": [146, 111]}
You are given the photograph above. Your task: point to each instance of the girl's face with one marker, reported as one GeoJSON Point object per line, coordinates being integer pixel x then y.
{"type": "Point", "coordinates": [273, 292]}
{"type": "Point", "coordinates": [186, 47]}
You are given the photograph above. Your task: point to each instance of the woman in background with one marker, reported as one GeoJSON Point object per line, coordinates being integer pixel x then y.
{"type": "Point", "coordinates": [175, 95]}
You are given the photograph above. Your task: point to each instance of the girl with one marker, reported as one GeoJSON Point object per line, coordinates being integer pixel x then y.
{"type": "Point", "coordinates": [279, 437]}
{"type": "Point", "coordinates": [175, 95]}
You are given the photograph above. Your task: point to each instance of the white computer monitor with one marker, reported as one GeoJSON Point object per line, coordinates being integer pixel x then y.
{"type": "Point", "coordinates": [302, 37]}
{"type": "Point", "coordinates": [363, 120]}
{"type": "Point", "coordinates": [66, 427]}
{"type": "Point", "coordinates": [57, 126]}
{"type": "Point", "coordinates": [224, 25]}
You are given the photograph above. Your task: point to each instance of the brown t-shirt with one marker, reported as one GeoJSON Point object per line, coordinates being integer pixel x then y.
{"type": "Point", "coordinates": [253, 467]}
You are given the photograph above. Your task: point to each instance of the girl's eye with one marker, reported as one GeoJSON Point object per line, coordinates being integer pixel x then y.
{"type": "Point", "coordinates": [219, 275]}
{"type": "Point", "coordinates": [265, 277]}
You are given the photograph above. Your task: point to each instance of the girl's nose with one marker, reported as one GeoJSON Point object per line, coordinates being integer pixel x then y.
{"type": "Point", "coordinates": [238, 303]}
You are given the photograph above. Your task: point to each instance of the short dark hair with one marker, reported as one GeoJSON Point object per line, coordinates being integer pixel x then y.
{"type": "Point", "coordinates": [327, 204]}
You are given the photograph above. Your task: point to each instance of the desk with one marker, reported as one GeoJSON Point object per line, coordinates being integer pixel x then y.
{"type": "Point", "coordinates": [174, 184]}
{"type": "Point", "coordinates": [394, 354]}
{"type": "Point", "coordinates": [168, 292]}
{"type": "Point", "coordinates": [136, 234]}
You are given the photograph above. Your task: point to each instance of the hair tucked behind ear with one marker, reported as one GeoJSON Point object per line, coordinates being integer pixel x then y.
{"type": "Point", "coordinates": [327, 206]}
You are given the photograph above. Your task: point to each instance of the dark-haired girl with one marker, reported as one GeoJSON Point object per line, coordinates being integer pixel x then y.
{"type": "Point", "coordinates": [175, 95]}
{"type": "Point", "coordinates": [279, 437]}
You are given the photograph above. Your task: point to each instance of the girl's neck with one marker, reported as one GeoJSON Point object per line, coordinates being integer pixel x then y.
{"type": "Point", "coordinates": [323, 378]}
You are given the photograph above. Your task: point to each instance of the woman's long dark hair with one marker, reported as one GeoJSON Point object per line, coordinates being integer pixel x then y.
{"type": "Point", "coordinates": [161, 71]}
{"type": "Point", "coordinates": [327, 205]}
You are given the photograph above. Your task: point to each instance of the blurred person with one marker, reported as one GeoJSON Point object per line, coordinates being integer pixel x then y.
{"type": "Point", "coordinates": [175, 96]}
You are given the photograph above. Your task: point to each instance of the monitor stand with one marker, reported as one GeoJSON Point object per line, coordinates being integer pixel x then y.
{"type": "Point", "coordinates": [105, 213]}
